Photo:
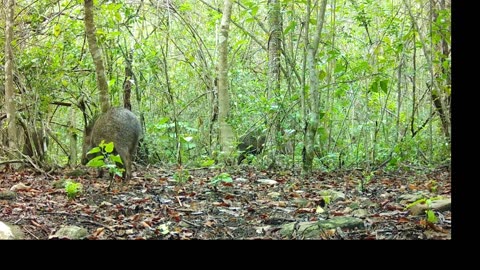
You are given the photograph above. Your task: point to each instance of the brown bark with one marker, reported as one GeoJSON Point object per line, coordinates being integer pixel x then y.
{"type": "Point", "coordinates": [274, 53]}
{"type": "Point", "coordinates": [127, 83]}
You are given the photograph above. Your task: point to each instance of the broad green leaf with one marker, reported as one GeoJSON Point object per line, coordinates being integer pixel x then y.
{"type": "Point", "coordinates": [163, 120]}
{"type": "Point", "coordinates": [339, 67]}
{"type": "Point", "coordinates": [116, 158]}
{"type": "Point", "coordinates": [431, 216]}
{"type": "Point", "coordinates": [384, 85]}
{"type": "Point", "coordinates": [109, 147]}
{"type": "Point", "coordinates": [111, 82]}
{"type": "Point", "coordinates": [57, 30]}
{"type": "Point", "coordinates": [322, 74]}
{"type": "Point", "coordinates": [327, 199]}
{"type": "Point", "coordinates": [227, 179]}
{"type": "Point", "coordinates": [94, 150]}
{"type": "Point", "coordinates": [96, 163]}
{"type": "Point", "coordinates": [254, 10]}
{"type": "Point", "coordinates": [291, 26]}
{"type": "Point", "coordinates": [374, 87]}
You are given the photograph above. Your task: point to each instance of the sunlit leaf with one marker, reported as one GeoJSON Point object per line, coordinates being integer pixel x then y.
{"type": "Point", "coordinates": [187, 139]}
{"type": "Point", "coordinates": [57, 30]}
{"type": "Point", "coordinates": [116, 158]}
{"type": "Point", "coordinates": [185, 7]}
{"type": "Point", "coordinates": [96, 162]}
{"type": "Point", "coordinates": [291, 26]}
{"type": "Point", "coordinates": [207, 163]}
{"type": "Point", "coordinates": [431, 216]}
{"type": "Point", "coordinates": [94, 150]}
{"type": "Point", "coordinates": [109, 147]}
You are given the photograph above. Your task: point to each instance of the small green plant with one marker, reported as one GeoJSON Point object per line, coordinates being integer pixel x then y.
{"type": "Point", "coordinates": [367, 177]}
{"type": "Point", "coordinates": [430, 215]}
{"type": "Point", "coordinates": [73, 189]}
{"type": "Point", "coordinates": [181, 176]}
{"type": "Point", "coordinates": [207, 162]}
{"type": "Point", "coordinates": [106, 159]}
{"type": "Point", "coordinates": [223, 177]}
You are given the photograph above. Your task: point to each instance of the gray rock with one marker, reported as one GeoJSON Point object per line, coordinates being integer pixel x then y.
{"type": "Point", "coordinates": [409, 198]}
{"type": "Point", "coordinates": [360, 213]}
{"type": "Point", "coordinates": [267, 181]}
{"type": "Point", "coordinates": [335, 195]}
{"type": "Point", "coordinates": [315, 229]}
{"type": "Point", "coordinates": [7, 195]}
{"type": "Point", "coordinates": [10, 232]}
{"type": "Point", "coordinates": [70, 232]}
{"type": "Point", "coordinates": [439, 205]}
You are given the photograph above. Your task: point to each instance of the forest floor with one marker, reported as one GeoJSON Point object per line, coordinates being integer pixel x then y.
{"type": "Point", "coordinates": [254, 205]}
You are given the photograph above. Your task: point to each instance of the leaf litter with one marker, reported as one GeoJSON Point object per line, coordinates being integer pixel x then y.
{"type": "Point", "coordinates": [255, 205]}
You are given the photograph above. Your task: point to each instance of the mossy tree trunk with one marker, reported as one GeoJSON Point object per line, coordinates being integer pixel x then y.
{"type": "Point", "coordinates": [9, 88]}
{"type": "Point", "coordinates": [97, 56]}
{"type": "Point", "coordinates": [312, 95]}
{"type": "Point", "coordinates": [274, 53]}
{"type": "Point", "coordinates": [226, 132]}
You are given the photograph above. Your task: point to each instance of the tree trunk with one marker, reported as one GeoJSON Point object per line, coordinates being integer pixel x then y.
{"type": "Point", "coordinates": [72, 161]}
{"type": "Point", "coordinates": [438, 93]}
{"type": "Point", "coordinates": [97, 56]}
{"type": "Point", "coordinates": [127, 83]}
{"type": "Point", "coordinates": [226, 133]}
{"type": "Point", "coordinates": [441, 96]}
{"type": "Point", "coordinates": [274, 52]}
{"type": "Point", "coordinates": [9, 89]}
{"type": "Point", "coordinates": [312, 118]}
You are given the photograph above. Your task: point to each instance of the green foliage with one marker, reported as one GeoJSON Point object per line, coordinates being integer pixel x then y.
{"type": "Point", "coordinates": [429, 214]}
{"type": "Point", "coordinates": [73, 189]}
{"type": "Point", "coordinates": [368, 114]}
{"type": "Point", "coordinates": [207, 162]}
{"type": "Point", "coordinates": [181, 176]}
{"type": "Point", "coordinates": [223, 177]}
{"type": "Point", "coordinates": [106, 159]}
{"type": "Point", "coordinates": [162, 136]}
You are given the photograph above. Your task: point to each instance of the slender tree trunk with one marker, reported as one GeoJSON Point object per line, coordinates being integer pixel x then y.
{"type": "Point", "coordinates": [73, 139]}
{"type": "Point", "coordinates": [226, 132]}
{"type": "Point", "coordinates": [9, 89]}
{"type": "Point", "coordinates": [127, 83]}
{"type": "Point", "coordinates": [441, 98]}
{"type": "Point", "coordinates": [171, 100]}
{"type": "Point", "coordinates": [274, 53]}
{"type": "Point", "coordinates": [313, 103]}
{"type": "Point", "coordinates": [437, 92]}
{"type": "Point", "coordinates": [97, 56]}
